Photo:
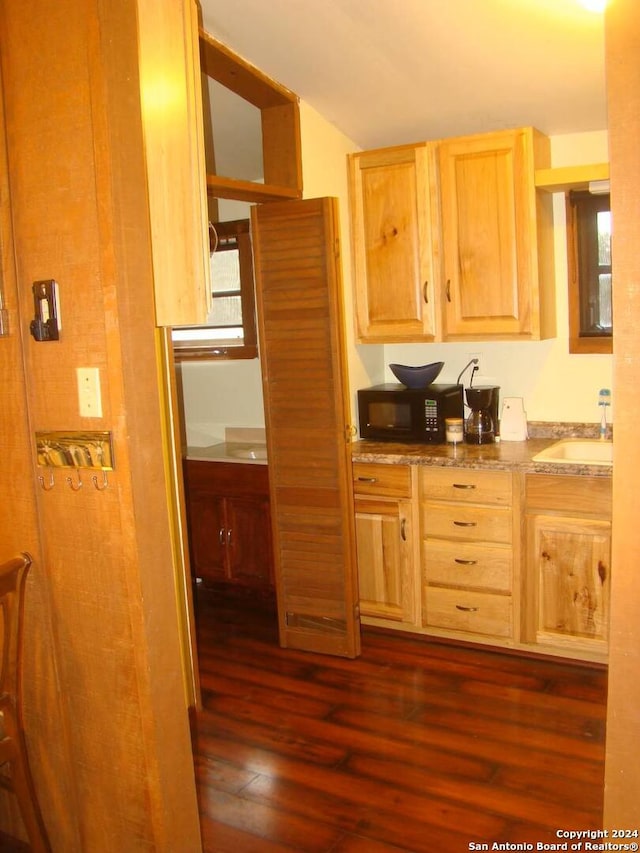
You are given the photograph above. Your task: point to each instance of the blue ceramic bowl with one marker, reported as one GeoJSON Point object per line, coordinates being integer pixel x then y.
{"type": "Point", "coordinates": [416, 377]}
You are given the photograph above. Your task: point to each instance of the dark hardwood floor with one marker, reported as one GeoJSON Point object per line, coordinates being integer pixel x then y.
{"type": "Point", "coordinates": [415, 746]}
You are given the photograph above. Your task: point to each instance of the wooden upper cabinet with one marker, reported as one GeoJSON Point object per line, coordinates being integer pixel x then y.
{"type": "Point", "coordinates": [451, 241]}
{"type": "Point", "coordinates": [497, 256]}
{"type": "Point", "coordinates": [172, 120]}
{"type": "Point", "coordinates": [392, 206]}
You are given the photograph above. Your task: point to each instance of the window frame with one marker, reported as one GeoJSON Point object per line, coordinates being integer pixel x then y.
{"type": "Point", "coordinates": [205, 349]}
{"type": "Point", "coordinates": [578, 341]}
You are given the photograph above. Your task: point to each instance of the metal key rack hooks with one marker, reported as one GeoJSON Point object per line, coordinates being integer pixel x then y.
{"type": "Point", "coordinates": [92, 450]}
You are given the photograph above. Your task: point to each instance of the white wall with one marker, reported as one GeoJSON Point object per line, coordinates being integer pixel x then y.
{"type": "Point", "coordinates": [555, 385]}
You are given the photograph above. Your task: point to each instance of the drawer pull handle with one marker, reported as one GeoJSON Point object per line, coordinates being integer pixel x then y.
{"type": "Point", "coordinates": [425, 292]}
{"type": "Point", "coordinates": [464, 562]}
{"type": "Point", "coordinates": [467, 609]}
{"type": "Point", "coordinates": [367, 479]}
{"type": "Point", "coordinates": [465, 523]}
{"type": "Point", "coordinates": [463, 486]}
{"type": "Point", "coordinates": [221, 535]}
{"type": "Point", "coordinates": [403, 529]}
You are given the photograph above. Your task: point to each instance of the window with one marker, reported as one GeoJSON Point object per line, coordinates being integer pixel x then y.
{"type": "Point", "coordinates": [589, 257]}
{"type": "Point", "coordinates": [231, 328]}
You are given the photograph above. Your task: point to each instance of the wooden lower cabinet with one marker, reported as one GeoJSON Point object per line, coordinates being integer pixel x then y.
{"type": "Point", "coordinates": [467, 553]}
{"type": "Point", "coordinates": [229, 522]}
{"type": "Point", "coordinates": [385, 540]}
{"type": "Point", "coordinates": [568, 563]}
{"type": "Point", "coordinates": [500, 558]}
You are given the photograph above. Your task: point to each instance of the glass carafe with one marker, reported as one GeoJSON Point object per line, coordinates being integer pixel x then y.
{"type": "Point", "coordinates": [479, 427]}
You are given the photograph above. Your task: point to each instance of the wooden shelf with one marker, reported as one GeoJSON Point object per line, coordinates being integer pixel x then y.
{"type": "Point", "coordinates": [232, 188]}
{"type": "Point", "coordinates": [566, 178]}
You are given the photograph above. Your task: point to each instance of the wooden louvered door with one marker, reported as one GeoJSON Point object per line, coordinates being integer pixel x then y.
{"type": "Point", "coordinates": [299, 299]}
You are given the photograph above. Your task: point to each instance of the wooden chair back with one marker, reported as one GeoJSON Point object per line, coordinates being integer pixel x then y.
{"type": "Point", "coordinates": [13, 747]}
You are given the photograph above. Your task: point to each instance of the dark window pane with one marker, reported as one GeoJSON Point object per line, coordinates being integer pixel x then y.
{"type": "Point", "coordinates": [590, 285]}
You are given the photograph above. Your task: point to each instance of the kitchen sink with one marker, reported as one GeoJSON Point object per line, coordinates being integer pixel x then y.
{"type": "Point", "coordinates": [249, 452]}
{"type": "Point", "coordinates": [578, 451]}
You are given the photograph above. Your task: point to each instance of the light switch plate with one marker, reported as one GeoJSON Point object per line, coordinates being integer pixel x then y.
{"type": "Point", "coordinates": [89, 397]}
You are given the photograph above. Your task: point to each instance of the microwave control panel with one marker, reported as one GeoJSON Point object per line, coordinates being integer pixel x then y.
{"type": "Point", "coordinates": [431, 415]}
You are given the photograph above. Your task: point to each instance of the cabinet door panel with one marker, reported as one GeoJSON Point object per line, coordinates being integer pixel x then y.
{"type": "Point", "coordinates": [489, 235]}
{"type": "Point", "coordinates": [382, 535]}
{"type": "Point", "coordinates": [573, 561]}
{"type": "Point", "coordinates": [248, 540]}
{"type": "Point", "coordinates": [392, 243]}
{"type": "Point", "coordinates": [207, 536]}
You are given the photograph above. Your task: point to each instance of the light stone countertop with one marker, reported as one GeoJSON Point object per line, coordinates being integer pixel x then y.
{"type": "Point", "coordinates": [242, 445]}
{"type": "Point", "coordinates": [227, 451]}
{"type": "Point", "coordinates": [501, 456]}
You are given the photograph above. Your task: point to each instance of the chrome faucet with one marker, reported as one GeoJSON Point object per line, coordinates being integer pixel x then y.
{"type": "Point", "coordinates": [604, 400]}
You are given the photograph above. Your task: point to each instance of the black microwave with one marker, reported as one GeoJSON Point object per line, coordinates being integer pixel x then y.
{"type": "Point", "coordinates": [392, 412]}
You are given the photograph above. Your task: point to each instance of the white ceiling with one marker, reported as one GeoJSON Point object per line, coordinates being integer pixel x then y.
{"type": "Point", "coordinates": [387, 72]}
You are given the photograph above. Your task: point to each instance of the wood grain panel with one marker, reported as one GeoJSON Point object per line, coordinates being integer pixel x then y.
{"type": "Point", "coordinates": [622, 791]}
{"type": "Point", "coordinates": [43, 708]}
{"type": "Point", "coordinates": [391, 481]}
{"type": "Point", "coordinates": [469, 611]}
{"type": "Point", "coordinates": [304, 374]}
{"type": "Point", "coordinates": [584, 495]}
{"type": "Point", "coordinates": [81, 215]}
{"type": "Point", "coordinates": [474, 565]}
{"type": "Point", "coordinates": [393, 242]}
{"type": "Point", "coordinates": [467, 486]}
{"type": "Point", "coordinates": [481, 524]}
{"type": "Point", "coordinates": [490, 240]}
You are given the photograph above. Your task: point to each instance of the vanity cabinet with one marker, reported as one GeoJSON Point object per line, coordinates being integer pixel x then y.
{"type": "Point", "coordinates": [229, 522]}
{"type": "Point", "coordinates": [451, 241]}
{"type": "Point", "coordinates": [393, 228]}
{"type": "Point", "coordinates": [568, 544]}
{"type": "Point", "coordinates": [385, 542]}
{"type": "Point", "coordinates": [467, 553]}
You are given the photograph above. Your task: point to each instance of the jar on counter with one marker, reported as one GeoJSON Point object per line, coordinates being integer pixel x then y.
{"type": "Point", "coordinates": [454, 430]}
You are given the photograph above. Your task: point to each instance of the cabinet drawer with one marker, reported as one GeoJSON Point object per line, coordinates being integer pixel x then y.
{"type": "Point", "coordinates": [472, 612]}
{"type": "Point", "coordinates": [393, 481]}
{"type": "Point", "coordinates": [226, 478]}
{"type": "Point", "coordinates": [468, 486]}
{"type": "Point", "coordinates": [471, 523]}
{"type": "Point", "coordinates": [467, 564]}
{"type": "Point", "coordinates": [554, 492]}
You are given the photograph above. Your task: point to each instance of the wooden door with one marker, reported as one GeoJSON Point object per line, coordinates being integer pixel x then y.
{"type": "Point", "coordinates": [248, 538]}
{"type": "Point", "coordinates": [573, 556]}
{"type": "Point", "coordinates": [489, 235]}
{"type": "Point", "coordinates": [384, 555]}
{"type": "Point", "coordinates": [393, 252]}
{"type": "Point", "coordinates": [298, 291]}
{"type": "Point", "coordinates": [206, 535]}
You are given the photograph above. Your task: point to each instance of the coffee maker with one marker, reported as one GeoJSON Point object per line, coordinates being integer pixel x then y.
{"type": "Point", "coordinates": [482, 426]}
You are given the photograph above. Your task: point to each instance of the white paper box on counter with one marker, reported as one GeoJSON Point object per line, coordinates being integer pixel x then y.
{"type": "Point", "coordinates": [513, 420]}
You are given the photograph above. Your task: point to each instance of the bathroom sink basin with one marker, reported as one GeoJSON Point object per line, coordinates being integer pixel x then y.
{"type": "Point", "coordinates": [578, 451]}
{"type": "Point", "coordinates": [249, 452]}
